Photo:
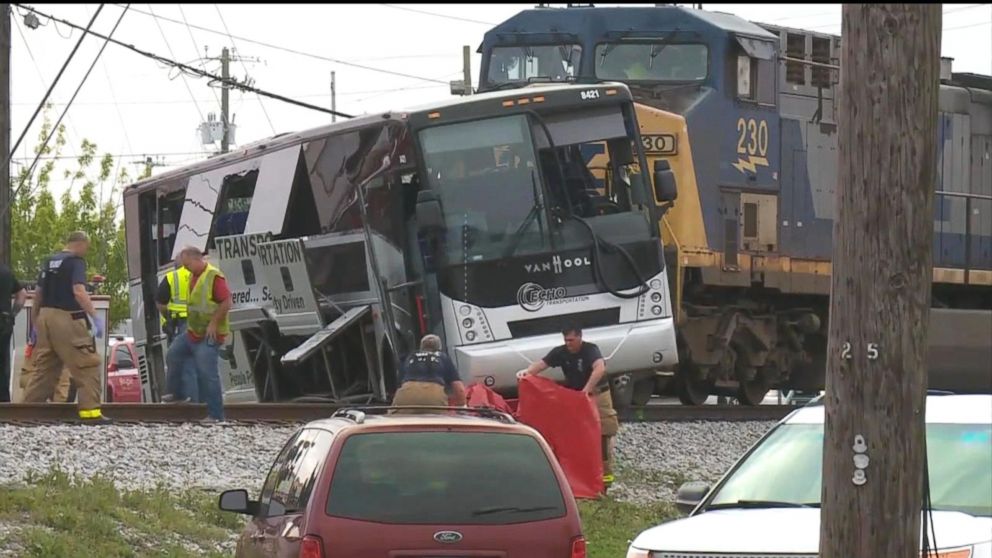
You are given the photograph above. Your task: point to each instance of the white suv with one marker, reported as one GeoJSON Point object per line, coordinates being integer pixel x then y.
{"type": "Point", "coordinates": [768, 504]}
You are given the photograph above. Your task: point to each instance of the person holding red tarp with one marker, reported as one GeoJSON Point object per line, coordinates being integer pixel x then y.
{"type": "Point", "coordinates": [568, 421]}
{"type": "Point", "coordinates": [585, 372]}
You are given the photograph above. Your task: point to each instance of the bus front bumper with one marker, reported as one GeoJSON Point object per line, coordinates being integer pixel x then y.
{"type": "Point", "coordinates": [636, 347]}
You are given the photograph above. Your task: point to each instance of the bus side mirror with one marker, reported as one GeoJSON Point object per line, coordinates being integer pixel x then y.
{"type": "Point", "coordinates": [665, 189]}
{"type": "Point", "coordinates": [429, 216]}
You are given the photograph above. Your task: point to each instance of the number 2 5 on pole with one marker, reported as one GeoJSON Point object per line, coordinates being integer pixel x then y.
{"type": "Point", "coordinates": [845, 351]}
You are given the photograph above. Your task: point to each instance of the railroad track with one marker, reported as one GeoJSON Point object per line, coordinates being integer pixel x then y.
{"type": "Point", "coordinates": [138, 413]}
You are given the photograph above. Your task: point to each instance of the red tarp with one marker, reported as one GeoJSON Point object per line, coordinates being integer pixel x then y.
{"type": "Point", "coordinates": [567, 419]}
{"type": "Point", "coordinates": [478, 395]}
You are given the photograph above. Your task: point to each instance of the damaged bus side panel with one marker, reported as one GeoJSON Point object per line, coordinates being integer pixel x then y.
{"type": "Point", "coordinates": [308, 263]}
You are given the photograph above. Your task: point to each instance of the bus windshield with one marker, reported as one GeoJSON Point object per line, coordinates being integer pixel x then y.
{"type": "Point", "coordinates": [513, 185]}
{"type": "Point", "coordinates": [485, 174]}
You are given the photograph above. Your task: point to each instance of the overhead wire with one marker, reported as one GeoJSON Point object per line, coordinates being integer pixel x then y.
{"type": "Point", "coordinates": [168, 47]}
{"type": "Point", "coordinates": [196, 71]}
{"type": "Point", "coordinates": [435, 14]}
{"type": "Point", "coordinates": [34, 164]}
{"type": "Point", "coordinates": [196, 48]}
{"type": "Point", "coordinates": [6, 163]}
{"type": "Point", "coordinates": [245, 66]}
{"type": "Point", "coordinates": [292, 50]}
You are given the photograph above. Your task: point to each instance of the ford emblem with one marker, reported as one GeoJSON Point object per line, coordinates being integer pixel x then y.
{"type": "Point", "coordinates": [448, 537]}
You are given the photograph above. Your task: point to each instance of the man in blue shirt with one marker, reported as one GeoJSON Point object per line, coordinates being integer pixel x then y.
{"type": "Point", "coordinates": [426, 375]}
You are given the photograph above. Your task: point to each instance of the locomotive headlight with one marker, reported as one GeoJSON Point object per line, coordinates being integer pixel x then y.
{"type": "Point", "coordinates": [656, 310]}
{"type": "Point", "coordinates": [470, 336]}
{"type": "Point", "coordinates": [655, 297]}
{"type": "Point", "coordinates": [465, 310]}
{"type": "Point", "coordinates": [656, 283]}
{"type": "Point", "coordinates": [467, 323]}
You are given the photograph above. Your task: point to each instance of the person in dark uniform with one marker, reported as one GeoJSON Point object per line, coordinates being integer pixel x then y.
{"type": "Point", "coordinates": [585, 370]}
{"type": "Point", "coordinates": [12, 299]}
{"type": "Point", "coordinates": [66, 326]}
{"type": "Point", "coordinates": [426, 375]}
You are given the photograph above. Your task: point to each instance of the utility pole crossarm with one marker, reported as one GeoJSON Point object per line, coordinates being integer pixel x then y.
{"type": "Point", "coordinates": [874, 443]}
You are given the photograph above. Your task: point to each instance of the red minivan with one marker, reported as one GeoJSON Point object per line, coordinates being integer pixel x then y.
{"type": "Point", "coordinates": [365, 484]}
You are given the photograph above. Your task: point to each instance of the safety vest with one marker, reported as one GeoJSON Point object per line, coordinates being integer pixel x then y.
{"type": "Point", "coordinates": [178, 280]}
{"type": "Point", "coordinates": [202, 306]}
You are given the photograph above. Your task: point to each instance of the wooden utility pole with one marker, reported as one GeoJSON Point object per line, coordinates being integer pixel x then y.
{"type": "Point", "coordinates": [225, 72]}
{"type": "Point", "coordinates": [882, 272]}
{"type": "Point", "coordinates": [5, 192]}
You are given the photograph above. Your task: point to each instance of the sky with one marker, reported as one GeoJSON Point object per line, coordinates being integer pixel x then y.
{"type": "Point", "coordinates": [385, 56]}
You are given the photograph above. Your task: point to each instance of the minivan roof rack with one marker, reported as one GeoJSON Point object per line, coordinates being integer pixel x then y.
{"type": "Point", "coordinates": [357, 414]}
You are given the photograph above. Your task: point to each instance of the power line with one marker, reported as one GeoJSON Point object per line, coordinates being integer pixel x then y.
{"type": "Point", "coordinates": [196, 48]}
{"type": "Point", "coordinates": [51, 133]}
{"type": "Point", "coordinates": [291, 50]}
{"type": "Point", "coordinates": [195, 71]}
{"type": "Point", "coordinates": [41, 105]}
{"type": "Point", "coordinates": [115, 155]}
{"type": "Point", "coordinates": [245, 66]}
{"type": "Point", "coordinates": [435, 14]}
{"type": "Point", "coordinates": [41, 78]}
{"type": "Point", "coordinates": [186, 101]}
{"type": "Point", "coordinates": [172, 54]}
{"type": "Point", "coordinates": [961, 9]}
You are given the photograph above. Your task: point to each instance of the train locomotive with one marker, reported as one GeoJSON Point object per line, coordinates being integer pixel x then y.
{"type": "Point", "coordinates": [745, 114]}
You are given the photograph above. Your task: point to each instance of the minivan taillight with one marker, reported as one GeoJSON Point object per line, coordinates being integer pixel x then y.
{"type": "Point", "coordinates": [579, 547]}
{"type": "Point", "coordinates": [313, 547]}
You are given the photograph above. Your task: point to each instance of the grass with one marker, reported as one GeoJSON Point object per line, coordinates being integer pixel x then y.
{"type": "Point", "coordinates": [55, 515]}
{"type": "Point", "coordinates": [610, 525]}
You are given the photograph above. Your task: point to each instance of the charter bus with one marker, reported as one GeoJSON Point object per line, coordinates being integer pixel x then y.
{"type": "Point", "coordinates": [475, 218]}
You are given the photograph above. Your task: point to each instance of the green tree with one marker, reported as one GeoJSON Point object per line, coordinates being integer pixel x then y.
{"type": "Point", "coordinates": [39, 225]}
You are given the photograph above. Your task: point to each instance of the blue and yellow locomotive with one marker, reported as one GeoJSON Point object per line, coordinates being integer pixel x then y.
{"type": "Point", "coordinates": [745, 116]}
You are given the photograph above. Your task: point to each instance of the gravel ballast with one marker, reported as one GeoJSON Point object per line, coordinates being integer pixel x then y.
{"type": "Point", "coordinates": [652, 458]}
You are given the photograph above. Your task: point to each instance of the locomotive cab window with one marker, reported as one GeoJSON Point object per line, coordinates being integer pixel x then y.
{"type": "Point", "coordinates": [755, 70]}
{"type": "Point", "coordinates": [652, 61]}
{"type": "Point", "coordinates": [533, 62]}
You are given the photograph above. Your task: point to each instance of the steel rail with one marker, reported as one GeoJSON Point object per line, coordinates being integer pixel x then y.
{"type": "Point", "coordinates": [143, 413]}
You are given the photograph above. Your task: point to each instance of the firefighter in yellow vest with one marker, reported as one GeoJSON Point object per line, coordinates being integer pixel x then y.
{"type": "Point", "coordinates": [171, 299]}
{"type": "Point", "coordinates": [207, 327]}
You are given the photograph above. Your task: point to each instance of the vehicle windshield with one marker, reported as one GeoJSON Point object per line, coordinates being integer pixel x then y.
{"type": "Point", "coordinates": [656, 61]}
{"type": "Point", "coordinates": [505, 192]}
{"type": "Point", "coordinates": [447, 478]}
{"type": "Point", "coordinates": [786, 468]}
{"type": "Point", "coordinates": [519, 64]}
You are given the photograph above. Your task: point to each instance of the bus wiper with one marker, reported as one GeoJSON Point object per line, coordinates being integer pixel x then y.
{"type": "Point", "coordinates": [511, 509]}
{"type": "Point", "coordinates": [535, 211]}
{"type": "Point", "coordinates": [757, 504]}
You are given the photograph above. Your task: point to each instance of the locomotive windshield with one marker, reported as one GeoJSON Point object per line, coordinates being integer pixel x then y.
{"type": "Point", "coordinates": [656, 61]}
{"type": "Point", "coordinates": [520, 64]}
{"type": "Point", "coordinates": [518, 184]}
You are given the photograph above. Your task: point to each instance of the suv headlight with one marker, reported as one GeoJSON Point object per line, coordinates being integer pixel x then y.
{"type": "Point", "coordinates": [638, 553]}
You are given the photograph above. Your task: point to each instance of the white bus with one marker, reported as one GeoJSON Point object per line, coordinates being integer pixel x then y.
{"type": "Point", "coordinates": [483, 219]}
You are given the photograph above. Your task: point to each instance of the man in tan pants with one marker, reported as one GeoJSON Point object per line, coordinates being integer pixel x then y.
{"type": "Point", "coordinates": [62, 316]}
{"type": "Point", "coordinates": [425, 376]}
{"type": "Point", "coordinates": [585, 370]}
{"type": "Point", "coordinates": [28, 370]}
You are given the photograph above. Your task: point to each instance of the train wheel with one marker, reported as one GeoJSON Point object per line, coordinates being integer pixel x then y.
{"type": "Point", "coordinates": [643, 390]}
{"type": "Point", "coordinates": [752, 393]}
{"type": "Point", "coordinates": [692, 391]}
